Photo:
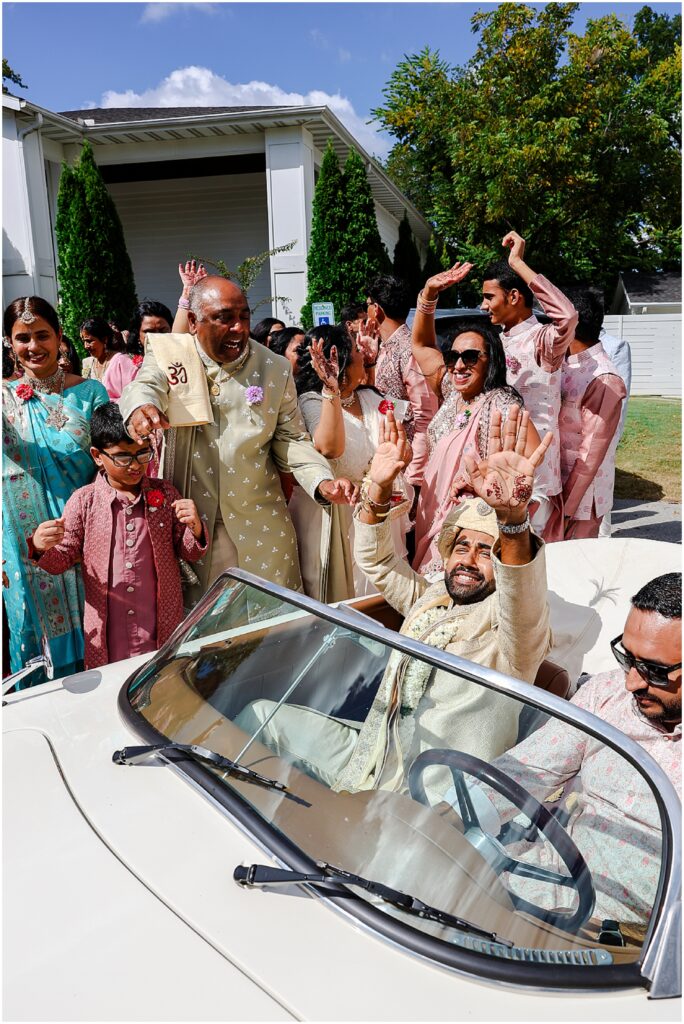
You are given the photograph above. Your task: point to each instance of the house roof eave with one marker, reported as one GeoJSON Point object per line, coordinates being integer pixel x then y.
{"type": "Point", "coordinates": [320, 121]}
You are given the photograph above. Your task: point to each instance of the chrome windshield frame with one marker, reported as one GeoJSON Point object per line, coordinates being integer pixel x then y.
{"type": "Point", "coordinates": [655, 966]}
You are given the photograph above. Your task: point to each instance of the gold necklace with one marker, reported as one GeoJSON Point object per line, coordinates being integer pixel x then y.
{"type": "Point", "coordinates": [98, 369]}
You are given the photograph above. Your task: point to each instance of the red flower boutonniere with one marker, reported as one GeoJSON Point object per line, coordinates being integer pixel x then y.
{"type": "Point", "coordinates": [137, 360]}
{"type": "Point", "coordinates": [155, 499]}
{"type": "Point", "coordinates": [24, 392]}
{"type": "Point", "coordinates": [385, 407]}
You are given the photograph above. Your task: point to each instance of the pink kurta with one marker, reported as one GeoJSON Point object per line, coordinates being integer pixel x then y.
{"type": "Point", "coordinates": [88, 529]}
{"type": "Point", "coordinates": [132, 591]}
{"type": "Point", "coordinates": [593, 394]}
{"type": "Point", "coordinates": [534, 358]}
{"type": "Point", "coordinates": [449, 444]}
{"type": "Point", "coordinates": [398, 375]}
{"type": "Point", "coordinates": [615, 822]}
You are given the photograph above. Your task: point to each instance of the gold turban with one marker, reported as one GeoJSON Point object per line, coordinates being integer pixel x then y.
{"type": "Point", "coordinates": [471, 514]}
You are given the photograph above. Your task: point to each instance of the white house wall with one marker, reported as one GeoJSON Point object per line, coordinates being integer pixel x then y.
{"type": "Point", "coordinates": [655, 341]}
{"type": "Point", "coordinates": [290, 185]}
{"type": "Point", "coordinates": [28, 265]}
{"type": "Point", "coordinates": [217, 217]}
{"type": "Point", "coordinates": [388, 226]}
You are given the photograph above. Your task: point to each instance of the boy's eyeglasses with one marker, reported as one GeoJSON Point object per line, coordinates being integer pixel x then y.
{"type": "Point", "coordinates": [469, 357]}
{"type": "Point", "coordinates": [124, 461]}
{"type": "Point", "coordinates": [651, 671]}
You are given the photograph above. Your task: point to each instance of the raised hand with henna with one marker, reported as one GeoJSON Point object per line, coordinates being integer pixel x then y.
{"type": "Point", "coordinates": [504, 480]}
{"type": "Point", "coordinates": [190, 273]}
{"type": "Point", "coordinates": [439, 282]}
{"type": "Point", "coordinates": [327, 368]}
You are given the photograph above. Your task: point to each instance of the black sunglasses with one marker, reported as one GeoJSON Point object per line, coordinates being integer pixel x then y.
{"type": "Point", "coordinates": [469, 357]}
{"type": "Point", "coordinates": [651, 671]}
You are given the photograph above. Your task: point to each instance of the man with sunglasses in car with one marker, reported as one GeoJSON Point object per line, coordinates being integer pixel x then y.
{"type": "Point", "coordinates": [613, 817]}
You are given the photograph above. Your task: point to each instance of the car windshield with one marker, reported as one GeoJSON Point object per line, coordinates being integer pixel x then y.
{"type": "Point", "coordinates": [419, 775]}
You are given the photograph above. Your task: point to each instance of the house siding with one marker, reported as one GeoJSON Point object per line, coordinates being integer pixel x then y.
{"type": "Point", "coordinates": [656, 347]}
{"type": "Point", "coordinates": [216, 217]}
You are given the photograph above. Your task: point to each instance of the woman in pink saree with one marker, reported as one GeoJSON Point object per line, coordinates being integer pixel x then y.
{"type": "Point", "coordinates": [476, 367]}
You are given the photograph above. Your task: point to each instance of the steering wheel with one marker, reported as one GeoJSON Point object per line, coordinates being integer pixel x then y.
{"type": "Point", "coordinates": [493, 851]}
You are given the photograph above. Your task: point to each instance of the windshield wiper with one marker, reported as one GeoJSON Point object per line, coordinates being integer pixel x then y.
{"type": "Point", "coordinates": [134, 755]}
{"type": "Point", "coordinates": [264, 876]}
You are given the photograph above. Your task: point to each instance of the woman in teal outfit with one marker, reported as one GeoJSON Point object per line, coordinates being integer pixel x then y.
{"type": "Point", "coordinates": [46, 441]}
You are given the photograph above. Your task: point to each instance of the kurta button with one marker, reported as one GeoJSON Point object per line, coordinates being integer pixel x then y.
{"type": "Point", "coordinates": [131, 611]}
{"type": "Point", "coordinates": [130, 589]}
{"type": "Point", "coordinates": [215, 389]}
{"type": "Point", "coordinates": [129, 565]}
{"type": "Point", "coordinates": [130, 526]}
{"type": "Point", "coordinates": [128, 511]}
{"type": "Point", "coordinates": [130, 542]}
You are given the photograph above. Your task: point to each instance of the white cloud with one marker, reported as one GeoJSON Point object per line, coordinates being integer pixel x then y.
{"type": "Point", "coordinates": [319, 38]}
{"type": "Point", "coordinates": [160, 12]}
{"type": "Point", "coordinates": [196, 86]}
{"type": "Point", "coordinates": [343, 55]}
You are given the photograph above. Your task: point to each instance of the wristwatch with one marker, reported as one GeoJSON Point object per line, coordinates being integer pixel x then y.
{"type": "Point", "coordinates": [513, 528]}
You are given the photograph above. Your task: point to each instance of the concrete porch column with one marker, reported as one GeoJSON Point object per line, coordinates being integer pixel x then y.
{"type": "Point", "coordinates": [290, 186]}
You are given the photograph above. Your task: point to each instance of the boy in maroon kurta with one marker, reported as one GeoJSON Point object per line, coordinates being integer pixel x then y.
{"type": "Point", "coordinates": [128, 531]}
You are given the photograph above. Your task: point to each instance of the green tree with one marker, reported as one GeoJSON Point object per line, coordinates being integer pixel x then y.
{"type": "Point", "coordinates": [328, 225]}
{"type": "Point", "coordinates": [71, 226]}
{"type": "Point", "coordinates": [406, 264]}
{"type": "Point", "coordinates": [95, 273]}
{"type": "Point", "coordinates": [363, 253]}
{"type": "Point", "coordinates": [10, 75]}
{"type": "Point", "coordinates": [573, 140]}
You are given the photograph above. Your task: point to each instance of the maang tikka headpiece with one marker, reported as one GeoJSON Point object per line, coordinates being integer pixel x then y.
{"type": "Point", "coordinates": [27, 316]}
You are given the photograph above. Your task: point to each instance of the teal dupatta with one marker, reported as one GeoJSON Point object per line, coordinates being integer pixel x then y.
{"type": "Point", "coordinates": [41, 469]}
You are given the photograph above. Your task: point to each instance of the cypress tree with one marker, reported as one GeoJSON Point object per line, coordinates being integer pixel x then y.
{"type": "Point", "coordinates": [363, 254]}
{"type": "Point", "coordinates": [95, 272]}
{"type": "Point", "coordinates": [326, 281]}
{"type": "Point", "coordinates": [407, 258]}
{"type": "Point", "coordinates": [71, 227]}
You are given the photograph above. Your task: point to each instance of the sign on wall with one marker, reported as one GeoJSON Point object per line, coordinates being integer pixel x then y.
{"type": "Point", "coordinates": [323, 313]}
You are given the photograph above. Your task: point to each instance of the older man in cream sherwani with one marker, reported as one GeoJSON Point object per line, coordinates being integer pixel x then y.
{"type": "Point", "coordinates": [248, 425]}
{"type": "Point", "coordinates": [491, 608]}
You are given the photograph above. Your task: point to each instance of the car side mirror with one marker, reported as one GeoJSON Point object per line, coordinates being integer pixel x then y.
{"type": "Point", "coordinates": [44, 661]}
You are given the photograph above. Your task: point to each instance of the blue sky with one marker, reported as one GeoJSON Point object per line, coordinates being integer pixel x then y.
{"type": "Point", "coordinates": [74, 55]}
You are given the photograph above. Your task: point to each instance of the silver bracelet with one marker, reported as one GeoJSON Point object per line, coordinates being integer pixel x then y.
{"type": "Point", "coordinates": [330, 396]}
{"type": "Point", "coordinates": [513, 528]}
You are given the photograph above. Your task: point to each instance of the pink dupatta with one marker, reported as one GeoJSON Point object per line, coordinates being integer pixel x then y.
{"type": "Point", "coordinates": [449, 443]}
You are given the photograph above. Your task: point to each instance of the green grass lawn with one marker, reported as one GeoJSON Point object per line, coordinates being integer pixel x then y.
{"type": "Point", "coordinates": [649, 456]}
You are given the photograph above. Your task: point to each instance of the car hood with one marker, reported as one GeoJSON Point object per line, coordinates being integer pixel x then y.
{"type": "Point", "coordinates": [119, 896]}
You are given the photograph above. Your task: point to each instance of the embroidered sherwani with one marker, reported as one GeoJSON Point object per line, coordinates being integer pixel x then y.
{"type": "Point", "coordinates": [534, 357]}
{"type": "Point", "coordinates": [229, 467]}
{"type": "Point", "coordinates": [417, 708]}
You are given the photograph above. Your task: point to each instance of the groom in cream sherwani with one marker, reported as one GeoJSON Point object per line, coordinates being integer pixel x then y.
{"type": "Point", "coordinates": [228, 465]}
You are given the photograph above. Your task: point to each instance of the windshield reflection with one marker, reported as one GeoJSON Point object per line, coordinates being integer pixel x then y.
{"type": "Point", "coordinates": [475, 827]}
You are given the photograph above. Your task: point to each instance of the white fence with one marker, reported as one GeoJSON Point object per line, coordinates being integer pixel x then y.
{"type": "Point", "coordinates": [655, 340]}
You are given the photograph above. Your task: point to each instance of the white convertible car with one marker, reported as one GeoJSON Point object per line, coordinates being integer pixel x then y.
{"type": "Point", "coordinates": [161, 863]}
